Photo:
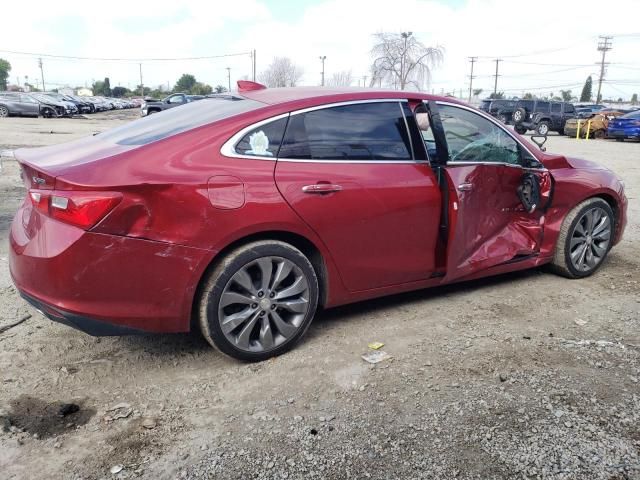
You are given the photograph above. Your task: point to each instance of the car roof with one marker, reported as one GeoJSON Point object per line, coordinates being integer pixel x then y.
{"type": "Point", "coordinates": [323, 95]}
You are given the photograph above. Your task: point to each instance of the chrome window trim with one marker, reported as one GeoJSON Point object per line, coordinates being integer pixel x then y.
{"type": "Point", "coordinates": [349, 102]}
{"type": "Point", "coordinates": [482, 114]}
{"type": "Point", "coordinates": [406, 126]}
{"type": "Point", "coordinates": [228, 149]}
{"type": "Point", "coordinates": [382, 162]}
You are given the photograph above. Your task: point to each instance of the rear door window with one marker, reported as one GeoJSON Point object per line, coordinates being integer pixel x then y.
{"type": "Point", "coordinates": [568, 108]}
{"type": "Point", "coordinates": [542, 107]}
{"type": "Point", "coordinates": [556, 108]}
{"type": "Point", "coordinates": [358, 132]}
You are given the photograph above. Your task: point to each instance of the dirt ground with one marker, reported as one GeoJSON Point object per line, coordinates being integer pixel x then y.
{"type": "Point", "coordinates": [526, 375]}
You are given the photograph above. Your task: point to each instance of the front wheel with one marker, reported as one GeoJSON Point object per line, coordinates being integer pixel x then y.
{"type": "Point", "coordinates": [520, 129]}
{"type": "Point", "coordinates": [259, 301]}
{"type": "Point", "coordinates": [4, 111]}
{"type": "Point", "coordinates": [542, 128]}
{"type": "Point", "coordinates": [585, 239]}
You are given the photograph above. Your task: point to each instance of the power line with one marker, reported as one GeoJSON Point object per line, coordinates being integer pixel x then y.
{"type": "Point", "coordinates": [136, 60]}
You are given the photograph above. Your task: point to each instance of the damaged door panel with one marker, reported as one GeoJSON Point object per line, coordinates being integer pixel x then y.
{"type": "Point", "coordinates": [496, 202]}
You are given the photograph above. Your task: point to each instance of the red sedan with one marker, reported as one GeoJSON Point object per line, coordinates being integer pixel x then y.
{"type": "Point", "coordinates": [242, 214]}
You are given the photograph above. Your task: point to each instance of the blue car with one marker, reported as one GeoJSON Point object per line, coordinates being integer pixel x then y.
{"type": "Point", "coordinates": [625, 126]}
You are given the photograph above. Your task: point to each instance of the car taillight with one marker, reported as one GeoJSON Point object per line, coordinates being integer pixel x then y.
{"type": "Point", "coordinates": [81, 209]}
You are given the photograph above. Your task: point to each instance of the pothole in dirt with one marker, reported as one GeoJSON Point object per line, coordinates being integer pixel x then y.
{"type": "Point", "coordinates": [47, 419]}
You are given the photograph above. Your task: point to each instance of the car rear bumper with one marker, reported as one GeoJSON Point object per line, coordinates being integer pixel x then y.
{"type": "Point", "coordinates": [103, 283]}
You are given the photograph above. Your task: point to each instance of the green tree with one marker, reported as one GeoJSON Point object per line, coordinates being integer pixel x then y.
{"type": "Point", "coordinates": [106, 89]}
{"type": "Point", "coordinates": [201, 89]}
{"type": "Point", "coordinates": [220, 89]}
{"type": "Point", "coordinates": [119, 92]}
{"type": "Point", "coordinates": [634, 99]}
{"type": "Point", "coordinates": [585, 96]}
{"type": "Point", "coordinates": [147, 92]}
{"type": "Point", "coordinates": [497, 95]}
{"type": "Point", "coordinates": [528, 96]}
{"type": "Point", "coordinates": [185, 83]}
{"type": "Point", "coordinates": [5, 68]}
{"type": "Point", "coordinates": [477, 92]}
{"type": "Point", "coordinates": [566, 95]}
{"type": "Point", "coordinates": [97, 87]}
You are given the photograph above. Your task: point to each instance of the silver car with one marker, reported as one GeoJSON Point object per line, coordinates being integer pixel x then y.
{"type": "Point", "coordinates": [17, 103]}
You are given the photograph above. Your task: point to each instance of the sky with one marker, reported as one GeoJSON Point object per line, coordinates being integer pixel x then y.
{"type": "Point", "coordinates": [544, 47]}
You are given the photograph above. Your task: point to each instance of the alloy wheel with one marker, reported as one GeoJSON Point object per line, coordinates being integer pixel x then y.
{"type": "Point", "coordinates": [590, 239]}
{"type": "Point", "coordinates": [4, 112]}
{"type": "Point", "coordinates": [264, 304]}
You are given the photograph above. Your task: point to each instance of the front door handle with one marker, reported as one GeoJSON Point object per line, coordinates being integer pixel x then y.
{"type": "Point", "coordinates": [322, 188]}
{"type": "Point", "coordinates": [465, 187]}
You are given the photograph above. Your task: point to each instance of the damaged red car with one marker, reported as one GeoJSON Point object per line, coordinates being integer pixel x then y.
{"type": "Point", "coordinates": [243, 214]}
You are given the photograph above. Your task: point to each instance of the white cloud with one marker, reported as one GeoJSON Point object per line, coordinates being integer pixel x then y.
{"type": "Point", "coordinates": [341, 30]}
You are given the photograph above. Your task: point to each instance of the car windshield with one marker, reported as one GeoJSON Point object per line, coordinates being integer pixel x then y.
{"type": "Point", "coordinates": [634, 115]}
{"type": "Point", "coordinates": [177, 120]}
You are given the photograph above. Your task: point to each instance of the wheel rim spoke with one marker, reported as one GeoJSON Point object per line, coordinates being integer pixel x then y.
{"type": "Point", "coordinates": [282, 271]}
{"type": "Point", "coordinates": [243, 279]}
{"type": "Point", "coordinates": [242, 340]}
{"type": "Point", "coordinates": [298, 286]}
{"type": "Point", "coordinates": [266, 335]}
{"type": "Point", "coordinates": [266, 268]}
{"type": "Point", "coordinates": [231, 297]}
{"type": "Point", "coordinates": [601, 226]}
{"type": "Point", "coordinates": [299, 305]}
{"type": "Point", "coordinates": [231, 322]}
{"type": "Point", "coordinates": [284, 328]}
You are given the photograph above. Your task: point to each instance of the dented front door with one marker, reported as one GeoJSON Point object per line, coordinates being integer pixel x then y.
{"type": "Point", "coordinates": [488, 223]}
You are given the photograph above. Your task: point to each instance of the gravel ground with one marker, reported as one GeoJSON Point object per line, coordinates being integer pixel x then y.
{"type": "Point", "coordinates": [526, 375]}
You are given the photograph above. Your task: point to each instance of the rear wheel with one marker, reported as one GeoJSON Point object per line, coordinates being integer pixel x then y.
{"type": "Point", "coordinates": [520, 129]}
{"type": "Point", "coordinates": [585, 239]}
{"type": "Point", "coordinates": [599, 134]}
{"type": "Point", "coordinates": [259, 301]}
{"type": "Point", "coordinates": [542, 128]}
{"type": "Point", "coordinates": [4, 111]}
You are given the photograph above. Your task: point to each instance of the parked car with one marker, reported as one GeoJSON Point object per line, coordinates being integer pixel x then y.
{"type": "Point", "coordinates": [50, 107]}
{"type": "Point", "coordinates": [99, 103]}
{"type": "Point", "coordinates": [70, 106]}
{"type": "Point", "coordinates": [499, 108]}
{"type": "Point", "coordinates": [542, 116]}
{"type": "Point", "coordinates": [247, 212]}
{"type": "Point", "coordinates": [84, 106]}
{"type": "Point", "coordinates": [16, 103]}
{"type": "Point", "coordinates": [624, 127]}
{"type": "Point", "coordinates": [150, 106]}
{"type": "Point", "coordinates": [596, 124]}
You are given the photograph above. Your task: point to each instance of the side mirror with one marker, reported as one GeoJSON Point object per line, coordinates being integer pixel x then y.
{"type": "Point", "coordinates": [540, 143]}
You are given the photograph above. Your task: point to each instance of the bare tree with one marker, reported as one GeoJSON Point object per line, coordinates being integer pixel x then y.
{"type": "Point", "coordinates": [341, 79]}
{"type": "Point", "coordinates": [281, 73]}
{"type": "Point", "coordinates": [402, 60]}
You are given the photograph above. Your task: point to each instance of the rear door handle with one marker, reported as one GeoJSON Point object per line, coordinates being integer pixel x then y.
{"type": "Point", "coordinates": [465, 187]}
{"type": "Point", "coordinates": [322, 188]}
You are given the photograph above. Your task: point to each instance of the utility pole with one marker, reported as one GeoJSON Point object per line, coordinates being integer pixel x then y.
{"type": "Point", "coordinates": [41, 74]}
{"type": "Point", "coordinates": [495, 85]}
{"type": "Point", "coordinates": [141, 84]}
{"type": "Point", "coordinates": [604, 46]}
{"type": "Point", "coordinates": [229, 77]}
{"type": "Point", "coordinates": [364, 81]}
{"type": "Point", "coordinates": [253, 64]}
{"type": "Point", "coordinates": [471, 77]}
{"type": "Point", "coordinates": [322, 59]}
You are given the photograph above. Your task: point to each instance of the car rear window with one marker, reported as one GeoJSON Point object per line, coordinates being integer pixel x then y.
{"type": "Point", "coordinates": [631, 115]}
{"type": "Point", "coordinates": [179, 119]}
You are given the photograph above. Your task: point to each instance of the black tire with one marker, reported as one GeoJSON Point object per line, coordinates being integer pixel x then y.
{"type": "Point", "coordinates": [561, 263]}
{"type": "Point", "coordinates": [520, 129]}
{"type": "Point", "coordinates": [218, 279]}
{"type": "Point", "coordinates": [48, 113]}
{"type": "Point", "coordinates": [4, 111]}
{"type": "Point", "coordinates": [599, 134]}
{"type": "Point", "coordinates": [519, 115]}
{"type": "Point", "coordinates": [503, 118]}
{"type": "Point", "coordinates": [543, 128]}
{"type": "Point", "coordinates": [149, 112]}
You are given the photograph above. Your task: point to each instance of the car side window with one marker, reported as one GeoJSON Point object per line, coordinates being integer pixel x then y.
{"type": "Point", "coordinates": [473, 138]}
{"type": "Point", "coordinates": [568, 108]}
{"type": "Point", "coordinates": [556, 108]}
{"type": "Point", "coordinates": [362, 131]}
{"type": "Point", "coordinates": [176, 99]}
{"type": "Point", "coordinates": [263, 141]}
